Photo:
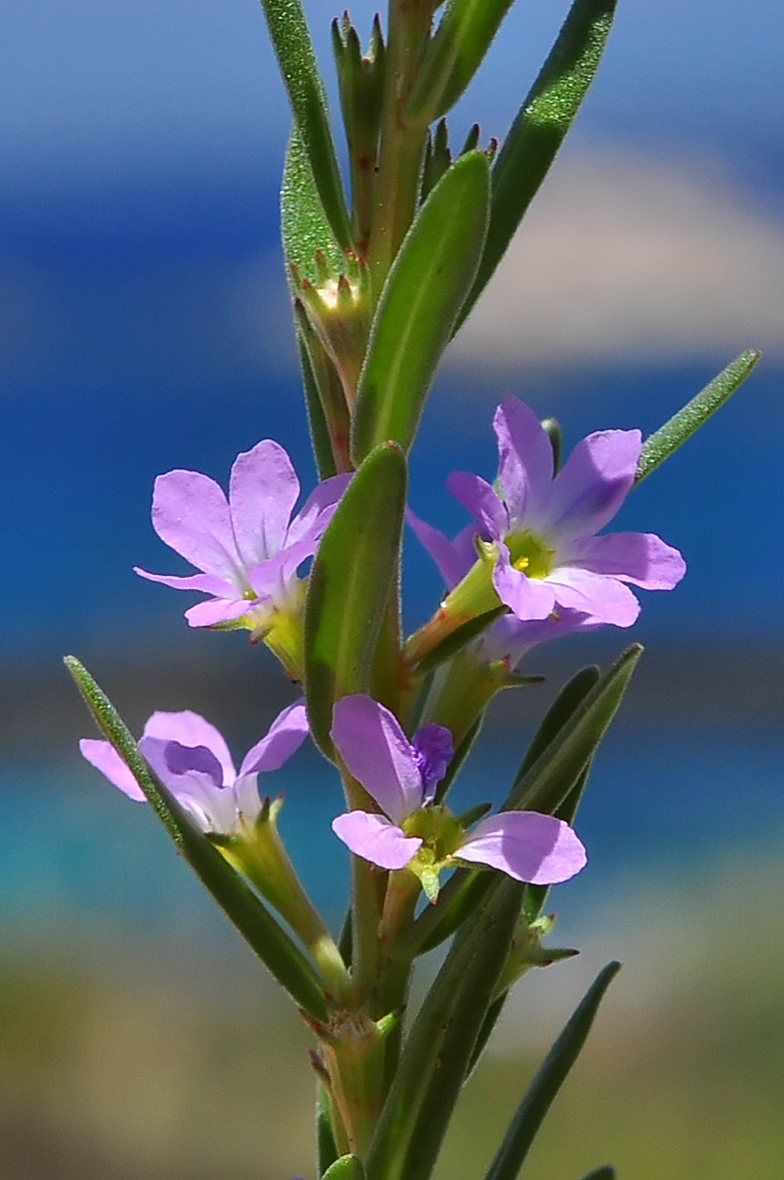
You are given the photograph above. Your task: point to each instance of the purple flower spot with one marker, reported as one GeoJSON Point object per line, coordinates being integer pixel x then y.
{"type": "Point", "coordinates": [182, 759]}
{"type": "Point", "coordinates": [432, 748]}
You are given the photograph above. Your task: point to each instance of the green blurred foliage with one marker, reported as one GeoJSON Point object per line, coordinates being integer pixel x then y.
{"type": "Point", "coordinates": [126, 1064]}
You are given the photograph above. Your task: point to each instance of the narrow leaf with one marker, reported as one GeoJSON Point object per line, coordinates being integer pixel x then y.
{"type": "Point", "coordinates": [539, 128]}
{"type": "Point", "coordinates": [569, 698]}
{"type": "Point", "coordinates": [435, 1057]}
{"type": "Point", "coordinates": [458, 639]}
{"type": "Point", "coordinates": [547, 782]}
{"type": "Point", "coordinates": [419, 304]}
{"type": "Point", "coordinates": [326, 1148]}
{"type": "Point", "coordinates": [303, 224]}
{"type": "Point", "coordinates": [454, 55]}
{"type": "Point", "coordinates": [243, 908]}
{"type": "Point", "coordinates": [660, 445]}
{"type": "Point", "coordinates": [548, 1081]}
{"type": "Point", "coordinates": [290, 38]}
{"type": "Point", "coordinates": [352, 579]}
{"type": "Point", "coordinates": [317, 423]}
{"type": "Point", "coordinates": [606, 1172]}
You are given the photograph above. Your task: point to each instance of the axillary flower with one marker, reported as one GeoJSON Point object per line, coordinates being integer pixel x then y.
{"type": "Point", "coordinates": [192, 760]}
{"type": "Point", "coordinates": [536, 531]}
{"type": "Point", "coordinates": [413, 832]}
{"type": "Point", "coordinates": [248, 548]}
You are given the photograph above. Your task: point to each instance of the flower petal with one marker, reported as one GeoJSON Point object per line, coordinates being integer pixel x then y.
{"type": "Point", "coordinates": [603, 597]}
{"type": "Point", "coordinates": [641, 558]}
{"type": "Point", "coordinates": [215, 611]}
{"type": "Point", "coordinates": [525, 459]}
{"type": "Point", "coordinates": [209, 583]}
{"type": "Point", "coordinates": [527, 598]}
{"type": "Point", "coordinates": [104, 757]}
{"type": "Point", "coordinates": [453, 558]}
{"type": "Point", "coordinates": [478, 497]}
{"type": "Point", "coordinates": [190, 513]}
{"type": "Point", "coordinates": [539, 849]}
{"type": "Point", "coordinates": [263, 489]}
{"type": "Point", "coordinates": [190, 729]}
{"type": "Point", "coordinates": [592, 485]}
{"type": "Point", "coordinates": [510, 638]}
{"type": "Point", "coordinates": [378, 754]}
{"type": "Point", "coordinates": [286, 734]}
{"type": "Point", "coordinates": [211, 806]}
{"type": "Point", "coordinates": [317, 511]}
{"type": "Point", "coordinates": [376, 839]}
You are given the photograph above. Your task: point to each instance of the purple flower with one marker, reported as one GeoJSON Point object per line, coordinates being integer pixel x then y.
{"type": "Point", "coordinates": [247, 548]}
{"type": "Point", "coordinates": [508, 638]}
{"type": "Point", "coordinates": [542, 529]}
{"type": "Point", "coordinates": [192, 760]}
{"type": "Point", "coordinates": [401, 777]}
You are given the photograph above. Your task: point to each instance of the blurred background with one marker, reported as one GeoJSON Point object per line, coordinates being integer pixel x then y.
{"type": "Point", "coordinates": [143, 326]}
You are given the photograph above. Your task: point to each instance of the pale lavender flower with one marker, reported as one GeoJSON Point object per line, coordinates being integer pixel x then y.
{"type": "Point", "coordinates": [543, 527]}
{"type": "Point", "coordinates": [192, 760]}
{"type": "Point", "coordinates": [247, 547]}
{"type": "Point", "coordinates": [508, 639]}
{"type": "Point", "coordinates": [401, 777]}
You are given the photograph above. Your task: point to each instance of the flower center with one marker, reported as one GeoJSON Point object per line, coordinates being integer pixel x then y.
{"type": "Point", "coordinates": [530, 555]}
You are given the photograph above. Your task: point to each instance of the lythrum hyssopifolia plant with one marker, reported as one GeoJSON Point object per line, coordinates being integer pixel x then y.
{"type": "Point", "coordinates": [379, 284]}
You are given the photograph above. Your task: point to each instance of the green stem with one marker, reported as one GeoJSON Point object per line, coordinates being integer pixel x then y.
{"type": "Point", "coordinates": [402, 140]}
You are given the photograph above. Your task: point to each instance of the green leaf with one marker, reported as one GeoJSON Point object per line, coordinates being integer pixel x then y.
{"type": "Point", "coordinates": [544, 784]}
{"type": "Point", "coordinates": [290, 38]}
{"type": "Point", "coordinates": [303, 224]}
{"type": "Point", "coordinates": [317, 422]}
{"type": "Point", "coordinates": [353, 576]}
{"type": "Point", "coordinates": [326, 1148]}
{"type": "Point", "coordinates": [436, 1055]}
{"type": "Point", "coordinates": [606, 1172]}
{"type": "Point", "coordinates": [536, 895]}
{"type": "Point", "coordinates": [242, 907]}
{"type": "Point", "coordinates": [419, 304]}
{"type": "Point", "coordinates": [539, 128]}
{"type": "Point", "coordinates": [660, 445]}
{"type": "Point", "coordinates": [348, 1167]}
{"type": "Point", "coordinates": [454, 55]}
{"type": "Point", "coordinates": [548, 1080]}
{"type": "Point", "coordinates": [569, 698]}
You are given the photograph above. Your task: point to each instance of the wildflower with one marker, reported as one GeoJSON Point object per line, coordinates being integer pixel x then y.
{"type": "Point", "coordinates": [247, 548]}
{"type": "Point", "coordinates": [192, 760]}
{"type": "Point", "coordinates": [413, 832]}
{"type": "Point", "coordinates": [537, 532]}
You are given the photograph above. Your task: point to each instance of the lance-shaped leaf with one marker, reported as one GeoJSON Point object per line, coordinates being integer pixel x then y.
{"type": "Point", "coordinates": [420, 302]}
{"type": "Point", "coordinates": [545, 784]}
{"type": "Point", "coordinates": [304, 227]}
{"type": "Point", "coordinates": [539, 128]}
{"type": "Point", "coordinates": [548, 1080]}
{"type": "Point", "coordinates": [354, 574]}
{"type": "Point", "coordinates": [660, 445]}
{"type": "Point", "coordinates": [454, 55]}
{"type": "Point", "coordinates": [326, 1148]}
{"type": "Point", "coordinates": [435, 1058]}
{"type": "Point", "coordinates": [563, 707]}
{"type": "Point", "coordinates": [317, 422]}
{"type": "Point", "coordinates": [290, 38]}
{"type": "Point", "coordinates": [243, 908]}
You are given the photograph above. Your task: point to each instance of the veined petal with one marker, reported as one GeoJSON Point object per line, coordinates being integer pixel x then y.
{"type": "Point", "coordinates": [317, 511]}
{"type": "Point", "coordinates": [285, 736]}
{"type": "Point", "coordinates": [525, 459]}
{"type": "Point", "coordinates": [209, 583]}
{"type": "Point", "coordinates": [190, 513]}
{"type": "Point", "coordinates": [211, 806]}
{"type": "Point", "coordinates": [477, 497]}
{"type": "Point", "coordinates": [376, 839]}
{"type": "Point", "coordinates": [378, 754]}
{"type": "Point", "coordinates": [592, 485]}
{"type": "Point", "coordinates": [453, 558]}
{"type": "Point", "coordinates": [599, 595]}
{"type": "Point", "coordinates": [510, 638]}
{"type": "Point", "coordinates": [641, 558]}
{"type": "Point", "coordinates": [539, 849]}
{"type": "Point", "coordinates": [189, 729]}
{"type": "Point", "coordinates": [247, 802]}
{"type": "Point", "coordinates": [263, 489]}
{"type": "Point", "coordinates": [217, 610]}
{"type": "Point", "coordinates": [527, 598]}
{"type": "Point", "coordinates": [104, 757]}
